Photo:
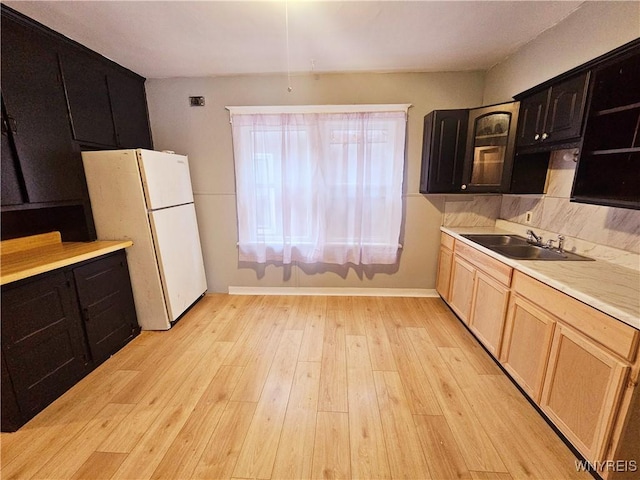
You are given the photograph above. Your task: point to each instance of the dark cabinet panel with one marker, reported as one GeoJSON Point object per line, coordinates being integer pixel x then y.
{"type": "Point", "coordinates": [57, 327]}
{"type": "Point", "coordinates": [608, 171]}
{"type": "Point", "coordinates": [85, 83]}
{"type": "Point", "coordinates": [531, 120]}
{"type": "Point", "coordinates": [566, 109]}
{"type": "Point", "coordinates": [34, 97]}
{"type": "Point", "coordinates": [553, 115]}
{"type": "Point", "coordinates": [106, 303]}
{"type": "Point", "coordinates": [42, 340]}
{"type": "Point", "coordinates": [490, 148]}
{"type": "Point", "coordinates": [443, 149]}
{"type": "Point", "coordinates": [129, 106]}
{"type": "Point", "coordinates": [11, 190]}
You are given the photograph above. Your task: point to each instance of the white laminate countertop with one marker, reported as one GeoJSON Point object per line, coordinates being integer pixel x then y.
{"type": "Point", "coordinates": [610, 288]}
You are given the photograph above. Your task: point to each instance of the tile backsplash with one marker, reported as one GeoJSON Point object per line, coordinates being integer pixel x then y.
{"type": "Point", "coordinates": [613, 227]}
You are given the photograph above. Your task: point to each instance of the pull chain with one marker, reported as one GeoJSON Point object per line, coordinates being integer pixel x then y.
{"type": "Point", "coordinates": [286, 15]}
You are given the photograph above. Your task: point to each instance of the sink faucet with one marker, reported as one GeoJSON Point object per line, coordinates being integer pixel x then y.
{"type": "Point", "coordinates": [560, 241]}
{"type": "Point", "coordinates": [533, 238]}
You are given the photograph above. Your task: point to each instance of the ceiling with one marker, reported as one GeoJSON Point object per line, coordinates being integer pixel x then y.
{"type": "Point", "coordinates": [159, 39]}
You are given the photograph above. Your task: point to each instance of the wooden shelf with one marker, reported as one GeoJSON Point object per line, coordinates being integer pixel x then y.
{"type": "Point", "coordinates": [609, 111]}
{"type": "Point", "coordinates": [613, 151]}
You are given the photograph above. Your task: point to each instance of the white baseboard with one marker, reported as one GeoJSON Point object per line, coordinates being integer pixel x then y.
{"type": "Point", "coordinates": [337, 291]}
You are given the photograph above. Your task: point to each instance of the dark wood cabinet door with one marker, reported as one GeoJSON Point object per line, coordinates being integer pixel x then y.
{"type": "Point", "coordinates": [87, 91]}
{"type": "Point", "coordinates": [531, 119]}
{"type": "Point", "coordinates": [129, 106]}
{"type": "Point", "coordinates": [11, 416]}
{"type": "Point", "coordinates": [42, 340]}
{"type": "Point", "coordinates": [443, 150]}
{"type": "Point", "coordinates": [106, 303]}
{"type": "Point", "coordinates": [566, 109]}
{"type": "Point", "coordinates": [11, 191]}
{"type": "Point", "coordinates": [34, 96]}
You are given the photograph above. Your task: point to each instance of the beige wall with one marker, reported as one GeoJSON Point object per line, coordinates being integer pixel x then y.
{"type": "Point", "coordinates": [204, 134]}
{"type": "Point", "coordinates": [595, 28]}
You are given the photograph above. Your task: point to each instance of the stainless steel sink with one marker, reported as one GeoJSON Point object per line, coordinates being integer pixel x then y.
{"type": "Point", "coordinates": [516, 247]}
{"type": "Point", "coordinates": [490, 240]}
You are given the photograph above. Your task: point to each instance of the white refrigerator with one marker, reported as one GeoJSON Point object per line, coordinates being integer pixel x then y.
{"type": "Point", "coordinates": [146, 196]}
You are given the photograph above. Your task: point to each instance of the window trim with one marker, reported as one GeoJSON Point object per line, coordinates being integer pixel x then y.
{"type": "Point", "coordinates": [276, 109]}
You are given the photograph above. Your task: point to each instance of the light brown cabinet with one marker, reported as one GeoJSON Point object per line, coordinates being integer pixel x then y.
{"type": "Point", "coordinates": [461, 293]}
{"type": "Point", "coordinates": [527, 341]}
{"type": "Point", "coordinates": [578, 364]}
{"type": "Point", "coordinates": [479, 294]}
{"type": "Point", "coordinates": [582, 391]}
{"type": "Point", "coordinates": [445, 263]}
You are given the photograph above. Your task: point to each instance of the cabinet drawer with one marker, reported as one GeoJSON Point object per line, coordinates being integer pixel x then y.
{"type": "Point", "coordinates": [447, 241]}
{"type": "Point", "coordinates": [491, 266]}
{"type": "Point", "coordinates": [611, 333]}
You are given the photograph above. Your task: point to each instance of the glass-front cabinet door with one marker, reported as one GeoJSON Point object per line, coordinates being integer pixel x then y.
{"type": "Point", "coordinates": [490, 148]}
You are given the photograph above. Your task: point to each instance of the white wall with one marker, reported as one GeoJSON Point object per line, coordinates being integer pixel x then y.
{"type": "Point", "coordinates": [204, 133]}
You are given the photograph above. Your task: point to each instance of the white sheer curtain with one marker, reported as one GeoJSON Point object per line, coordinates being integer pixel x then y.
{"type": "Point", "coordinates": [319, 187]}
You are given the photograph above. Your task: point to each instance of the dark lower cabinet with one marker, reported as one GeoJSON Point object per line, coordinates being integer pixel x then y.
{"type": "Point", "coordinates": [106, 304]}
{"type": "Point", "coordinates": [42, 340]}
{"type": "Point", "coordinates": [57, 327]}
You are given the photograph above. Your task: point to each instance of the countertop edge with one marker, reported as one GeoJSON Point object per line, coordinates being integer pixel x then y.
{"type": "Point", "coordinates": [609, 309]}
{"type": "Point", "coordinates": [102, 247]}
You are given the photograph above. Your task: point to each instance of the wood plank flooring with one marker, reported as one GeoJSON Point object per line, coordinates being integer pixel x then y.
{"type": "Point", "coordinates": [294, 388]}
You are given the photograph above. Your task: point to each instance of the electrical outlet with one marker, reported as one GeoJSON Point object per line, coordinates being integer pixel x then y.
{"type": "Point", "coordinates": [528, 216]}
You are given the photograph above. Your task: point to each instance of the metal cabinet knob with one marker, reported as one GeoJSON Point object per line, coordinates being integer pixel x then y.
{"type": "Point", "coordinates": [545, 136]}
{"type": "Point", "coordinates": [463, 187]}
{"type": "Point", "coordinates": [537, 137]}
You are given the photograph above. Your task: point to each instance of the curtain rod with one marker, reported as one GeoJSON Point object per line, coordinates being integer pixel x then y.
{"type": "Point", "coordinates": [275, 109]}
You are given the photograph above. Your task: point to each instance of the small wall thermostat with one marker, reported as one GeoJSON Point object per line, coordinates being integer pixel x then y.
{"type": "Point", "coordinates": [196, 101]}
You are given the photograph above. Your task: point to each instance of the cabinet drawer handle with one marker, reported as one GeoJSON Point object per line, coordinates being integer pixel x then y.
{"type": "Point", "coordinates": [537, 137]}
{"type": "Point", "coordinates": [545, 136]}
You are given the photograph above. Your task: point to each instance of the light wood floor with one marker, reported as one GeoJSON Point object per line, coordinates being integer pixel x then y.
{"type": "Point", "coordinates": [292, 388]}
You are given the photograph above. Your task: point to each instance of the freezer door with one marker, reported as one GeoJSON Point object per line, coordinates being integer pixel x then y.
{"type": "Point", "coordinates": [165, 179]}
{"type": "Point", "coordinates": [177, 242]}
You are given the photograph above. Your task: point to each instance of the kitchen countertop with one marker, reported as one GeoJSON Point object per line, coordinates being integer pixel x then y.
{"type": "Point", "coordinates": [610, 288]}
{"type": "Point", "coordinates": [25, 257]}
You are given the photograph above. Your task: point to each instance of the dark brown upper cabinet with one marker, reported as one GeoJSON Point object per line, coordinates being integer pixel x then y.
{"type": "Point", "coordinates": [608, 171]}
{"type": "Point", "coordinates": [85, 83]}
{"type": "Point", "coordinates": [36, 109]}
{"type": "Point", "coordinates": [444, 143]}
{"type": "Point", "coordinates": [59, 98]}
{"type": "Point", "coordinates": [490, 148]}
{"type": "Point", "coordinates": [553, 115]}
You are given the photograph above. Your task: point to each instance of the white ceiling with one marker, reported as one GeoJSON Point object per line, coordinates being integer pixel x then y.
{"type": "Point", "coordinates": [160, 39]}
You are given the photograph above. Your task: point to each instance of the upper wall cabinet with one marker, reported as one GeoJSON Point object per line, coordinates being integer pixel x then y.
{"type": "Point", "coordinates": [490, 148]}
{"type": "Point", "coordinates": [36, 109]}
{"type": "Point", "coordinates": [608, 171]}
{"type": "Point", "coordinates": [443, 148]}
{"type": "Point", "coordinates": [59, 98]}
{"type": "Point", "coordinates": [552, 115]}
{"type": "Point", "coordinates": [470, 150]}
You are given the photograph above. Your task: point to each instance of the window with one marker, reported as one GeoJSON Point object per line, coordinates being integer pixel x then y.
{"type": "Point", "coordinates": [319, 184]}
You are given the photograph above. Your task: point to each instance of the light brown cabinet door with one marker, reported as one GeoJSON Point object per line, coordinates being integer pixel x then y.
{"type": "Point", "coordinates": [443, 281]}
{"type": "Point", "coordinates": [527, 341]}
{"type": "Point", "coordinates": [490, 301]}
{"type": "Point", "coordinates": [461, 293]}
{"type": "Point", "coordinates": [582, 390]}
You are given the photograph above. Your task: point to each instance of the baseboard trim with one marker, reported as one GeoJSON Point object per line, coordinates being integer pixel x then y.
{"type": "Point", "coordinates": [335, 291]}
